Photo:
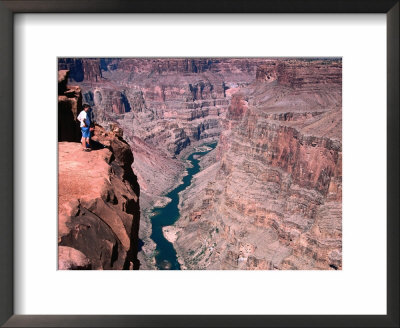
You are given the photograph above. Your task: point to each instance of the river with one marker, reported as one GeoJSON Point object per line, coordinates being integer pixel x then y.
{"type": "Point", "coordinates": [165, 216]}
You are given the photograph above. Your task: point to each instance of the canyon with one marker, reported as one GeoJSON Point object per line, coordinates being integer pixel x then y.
{"type": "Point", "coordinates": [267, 197]}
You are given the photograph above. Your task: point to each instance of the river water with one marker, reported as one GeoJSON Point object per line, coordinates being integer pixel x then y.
{"type": "Point", "coordinates": [169, 214]}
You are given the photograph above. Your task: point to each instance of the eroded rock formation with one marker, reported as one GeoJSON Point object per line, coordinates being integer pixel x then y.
{"type": "Point", "coordinates": [98, 199]}
{"type": "Point", "coordinates": [81, 69]}
{"type": "Point", "coordinates": [98, 204]}
{"type": "Point", "coordinates": [272, 199]}
{"type": "Point", "coordinates": [69, 105]}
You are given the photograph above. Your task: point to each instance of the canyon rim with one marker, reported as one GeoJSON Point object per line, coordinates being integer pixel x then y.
{"type": "Point", "coordinates": [201, 164]}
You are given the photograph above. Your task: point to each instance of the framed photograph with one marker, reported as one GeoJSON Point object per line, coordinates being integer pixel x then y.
{"type": "Point", "coordinates": [199, 164]}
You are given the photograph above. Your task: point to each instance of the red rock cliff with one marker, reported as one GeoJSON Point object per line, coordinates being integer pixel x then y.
{"type": "Point", "coordinates": [69, 106]}
{"type": "Point", "coordinates": [81, 69]}
{"type": "Point", "coordinates": [301, 73]}
{"type": "Point", "coordinates": [98, 202]}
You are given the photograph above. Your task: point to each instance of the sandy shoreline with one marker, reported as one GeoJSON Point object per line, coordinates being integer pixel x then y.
{"type": "Point", "coordinates": [170, 233]}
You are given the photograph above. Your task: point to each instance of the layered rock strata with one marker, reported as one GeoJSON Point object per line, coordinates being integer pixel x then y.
{"type": "Point", "coordinates": [271, 199]}
{"type": "Point", "coordinates": [187, 97]}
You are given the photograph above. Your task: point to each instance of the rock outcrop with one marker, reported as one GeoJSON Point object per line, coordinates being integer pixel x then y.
{"type": "Point", "coordinates": [81, 69]}
{"type": "Point", "coordinates": [98, 204]}
{"type": "Point", "coordinates": [69, 106]}
{"type": "Point", "coordinates": [98, 198]}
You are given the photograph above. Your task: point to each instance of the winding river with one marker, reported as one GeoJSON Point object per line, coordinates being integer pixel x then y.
{"type": "Point", "coordinates": [165, 253]}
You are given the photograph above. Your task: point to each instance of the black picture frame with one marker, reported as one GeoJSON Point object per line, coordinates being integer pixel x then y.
{"type": "Point", "coordinates": [7, 200]}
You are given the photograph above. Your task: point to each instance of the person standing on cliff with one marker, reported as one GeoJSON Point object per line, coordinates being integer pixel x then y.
{"type": "Point", "coordinates": [85, 118]}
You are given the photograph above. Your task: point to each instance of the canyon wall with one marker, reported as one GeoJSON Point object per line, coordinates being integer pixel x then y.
{"type": "Point", "coordinates": [98, 201]}
{"type": "Point", "coordinates": [81, 69]}
{"type": "Point", "coordinates": [272, 197]}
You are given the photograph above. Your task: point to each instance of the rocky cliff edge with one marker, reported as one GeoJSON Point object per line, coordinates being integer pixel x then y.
{"type": "Point", "coordinates": [98, 201]}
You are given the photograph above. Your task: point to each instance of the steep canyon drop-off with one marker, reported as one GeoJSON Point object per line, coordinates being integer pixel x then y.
{"type": "Point", "coordinates": [98, 205]}
{"type": "Point", "coordinates": [269, 195]}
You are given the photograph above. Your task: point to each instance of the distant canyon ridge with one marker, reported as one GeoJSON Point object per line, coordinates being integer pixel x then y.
{"type": "Point", "coordinates": [269, 196]}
